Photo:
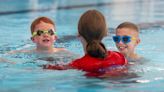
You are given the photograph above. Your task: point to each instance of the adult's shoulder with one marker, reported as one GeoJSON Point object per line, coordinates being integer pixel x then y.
{"type": "Point", "coordinates": [118, 56]}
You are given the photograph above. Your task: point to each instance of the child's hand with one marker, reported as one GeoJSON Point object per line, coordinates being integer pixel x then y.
{"type": "Point", "coordinates": [54, 67]}
{"type": "Point", "coordinates": [57, 67]}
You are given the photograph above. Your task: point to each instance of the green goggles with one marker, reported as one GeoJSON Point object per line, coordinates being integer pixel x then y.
{"type": "Point", "coordinates": [40, 32]}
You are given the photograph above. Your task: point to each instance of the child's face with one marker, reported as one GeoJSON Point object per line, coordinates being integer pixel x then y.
{"type": "Point", "coordinates": [129, 47]}
{"type": "Point", "coordinates": [44, 39]}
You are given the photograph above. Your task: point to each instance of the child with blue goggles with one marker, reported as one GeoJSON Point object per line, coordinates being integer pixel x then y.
{"type": "Point", "coordinates": [127, 39]}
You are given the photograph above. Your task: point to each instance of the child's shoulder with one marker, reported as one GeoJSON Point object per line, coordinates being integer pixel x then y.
{"type": "Point", "coordinates": [59, 49]}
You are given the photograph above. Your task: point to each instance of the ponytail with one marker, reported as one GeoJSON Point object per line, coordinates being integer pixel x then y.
{"type": "Point", "coordinates": [92, 27]}
{"type": "Point", "coordinates": [96, 49]}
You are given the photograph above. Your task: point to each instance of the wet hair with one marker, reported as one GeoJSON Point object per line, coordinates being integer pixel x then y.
{"type": "Point", "coordinates": [39, 20]}
{"type": "Point", "coordinates": [128, 25]}
{"type": "Point", "coordinates": [92, 27]}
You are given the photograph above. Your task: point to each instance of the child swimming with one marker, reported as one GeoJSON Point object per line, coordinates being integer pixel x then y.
{"type": "Point", "coordinates": [44, 35]}
{"type": "Point", "coordinates": [127, 39]}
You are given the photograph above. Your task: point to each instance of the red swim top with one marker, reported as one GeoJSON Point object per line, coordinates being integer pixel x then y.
{"type": "Point", "coordinates": [94, 66]}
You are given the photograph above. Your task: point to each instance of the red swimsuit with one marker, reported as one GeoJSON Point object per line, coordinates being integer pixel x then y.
{"type": "Point", "coordinates": [96, 66]}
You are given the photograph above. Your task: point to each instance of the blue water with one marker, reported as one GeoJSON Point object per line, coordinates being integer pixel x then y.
{"type": "Point", "coordinates": [26, 76]}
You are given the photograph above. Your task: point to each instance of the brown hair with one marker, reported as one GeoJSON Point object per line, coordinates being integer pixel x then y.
{"type": "Point", "coordinates": [40, 19]}
{"type": "Point", "coordinates": [128, 25]}
{"type": "Point", "coordinates": [92, 27]}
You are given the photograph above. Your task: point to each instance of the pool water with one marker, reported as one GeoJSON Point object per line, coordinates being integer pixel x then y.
{"type": "Point", "coordinates": [27, 75]}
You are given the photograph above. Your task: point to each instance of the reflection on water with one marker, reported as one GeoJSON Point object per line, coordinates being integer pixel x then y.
{"type": "Point", "coordinates": [42, 58]}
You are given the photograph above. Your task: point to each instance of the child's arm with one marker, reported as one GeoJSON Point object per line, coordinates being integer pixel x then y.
{"type": "Point", "coordinates": [19, 51]}
{"type": "Point", "coordinates": [5, 60]}
{"type": "Point", "coordinates": [57, 67]}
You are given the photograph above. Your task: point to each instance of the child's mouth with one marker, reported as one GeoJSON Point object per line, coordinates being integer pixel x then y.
{"type": "Point", "coordinates": [122, 47]}
{"type": "Point", "coordinates": [46, 40]}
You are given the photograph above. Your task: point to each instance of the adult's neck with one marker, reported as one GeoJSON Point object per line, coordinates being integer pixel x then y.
{"type": "Point", "coordinates": [84, 44]}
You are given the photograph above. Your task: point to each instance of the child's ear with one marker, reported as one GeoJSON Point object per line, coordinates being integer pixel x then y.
{"type": "Point", "coordinates": [55, 37]}
{"type": "Point", "coordinates": [138, 41]}
{"type": "Point", "coordinates": [32, 39]}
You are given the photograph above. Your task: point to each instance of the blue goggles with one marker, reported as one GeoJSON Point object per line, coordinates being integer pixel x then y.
{"type": "Point", "coordinates": [124, 39]}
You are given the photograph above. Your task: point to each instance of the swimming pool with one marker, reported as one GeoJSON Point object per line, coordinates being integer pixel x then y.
{"type": "Point", "coordinates": [25, 76]}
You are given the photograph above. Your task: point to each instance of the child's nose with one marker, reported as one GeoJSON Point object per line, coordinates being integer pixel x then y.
{"type": "Point", "coordinates": [120, 42]}
{"type": "Point", "coordinates": [45, 35]}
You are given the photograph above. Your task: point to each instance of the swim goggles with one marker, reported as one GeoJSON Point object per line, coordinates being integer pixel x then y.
{"type": "Point", "coordinates": [124, 39]}
{"type": "Point", "coordinates": [40, 32]}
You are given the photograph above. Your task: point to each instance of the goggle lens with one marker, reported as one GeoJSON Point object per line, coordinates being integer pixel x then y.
{"type": "Point", "coordinates": [124, 39]}
{"type": "Point", "coordinates": [40, 32]}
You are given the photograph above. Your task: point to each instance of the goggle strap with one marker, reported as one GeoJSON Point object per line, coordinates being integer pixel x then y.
{"type": "Point", "coordinates": [34, 34]}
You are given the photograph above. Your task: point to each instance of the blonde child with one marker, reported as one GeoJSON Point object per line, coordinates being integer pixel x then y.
{"type": "Point", "coordinates": [127, 39]}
